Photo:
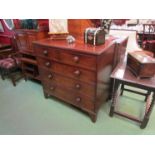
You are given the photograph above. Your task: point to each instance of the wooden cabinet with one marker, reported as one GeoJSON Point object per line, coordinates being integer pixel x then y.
{"type": "Point", "coordinates": [78, 74]}
{"type": "Point", "coordinates": [25, 39]}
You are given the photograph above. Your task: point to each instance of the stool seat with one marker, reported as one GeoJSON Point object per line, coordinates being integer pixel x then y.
{"type": "Point", "coordinates": [9, 63]}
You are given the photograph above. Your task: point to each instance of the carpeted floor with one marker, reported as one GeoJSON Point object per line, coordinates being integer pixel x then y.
{"type": "Point", "coordinates": [24, 110]}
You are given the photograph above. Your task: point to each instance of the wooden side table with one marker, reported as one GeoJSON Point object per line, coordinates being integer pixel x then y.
{"type": "Point", "coordinates": [122, 75]}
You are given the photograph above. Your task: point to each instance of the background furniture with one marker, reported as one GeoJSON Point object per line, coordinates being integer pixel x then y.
{"type": "Point", "coordinates": [5, 50]}
{"type": "Point", "coordinates": [76, 27]}
{"type": "Point", "coordinates": [8, 48]}
{"type": "Point", "coordinates": [148, 37]}
{"type": "Point", "coordinates": [148, 32]}
{"type": "Point", "coordinates": [10, 60]}
{"type": "Point", "coordinates": [122, 75]}
{"type": "Point", "coordinates": [24, 39]}
{"type": "Point", "coordinates": [77, 73]}
{"type": "Point", "coordinates": [10, 66]}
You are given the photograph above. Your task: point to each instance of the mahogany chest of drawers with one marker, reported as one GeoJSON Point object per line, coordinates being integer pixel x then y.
{"type": "Point", "coordinates": [78, 73]}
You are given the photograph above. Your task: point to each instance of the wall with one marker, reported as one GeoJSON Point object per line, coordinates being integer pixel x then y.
{"type": "Point", "coordinates": [6, 35]}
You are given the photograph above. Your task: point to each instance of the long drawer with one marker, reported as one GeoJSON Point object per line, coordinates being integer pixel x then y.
{"type": "Point", "coordinates": [67, 57]}
{"type": "Point", "coordinates": [67, 70]}
{"type": "Point", "coordinates": [76, 85]}
{"type": "Point", "coordinates": [69, 96]}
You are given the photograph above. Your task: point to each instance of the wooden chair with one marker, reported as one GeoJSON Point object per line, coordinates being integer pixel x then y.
{"type": "Point", "coordinates": [148, 37]}
{"type": "Point", "coordinates": [10, 65]}
{"type": "Point", "coordinates": [5, 50]}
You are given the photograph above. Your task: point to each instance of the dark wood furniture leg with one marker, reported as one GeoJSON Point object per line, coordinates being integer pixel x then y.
{"type": "Point", "coordinates": [114, 97]}
{"type": "Point", "coordinates": [93, 117]}
{"type": "Point", "coordinates": [122, 89]}
{"type": "Point", "coordinates": [147, 95]}
{"type": "Point", "coordinates": [2, 74]}
{"type": "Point", "coordinates": [148, 113]}
{"type": "Point", "coordinates": [46, 95]}
{"type": "Point", "coordinates": [12, 79]}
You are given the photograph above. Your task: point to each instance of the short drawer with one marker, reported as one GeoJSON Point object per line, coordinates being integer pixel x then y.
{"type": "Point", "coordinates": [75, 85]}
{"type": "Point", "coordinates": [44, 52]}
{"type": "Point", "coordinates": [71, 97]}
{"type": "Point", "coordinates": [68, 70]}
{"type": "Point", "coordinates": [67, 57]}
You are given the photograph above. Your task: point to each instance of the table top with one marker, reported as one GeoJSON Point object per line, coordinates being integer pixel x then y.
{"type": "Point", "coordinates": [123, 73]}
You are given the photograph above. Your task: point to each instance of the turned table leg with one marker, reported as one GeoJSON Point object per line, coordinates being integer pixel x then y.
{"type": "Point", "coordinates": [148, 113]}
{"type": "Point", "coordinates": [122, 89]}
{"type": "Point", "coordinates": [114, 97]}
{"type": "Point", "coordinates": [148, 93]}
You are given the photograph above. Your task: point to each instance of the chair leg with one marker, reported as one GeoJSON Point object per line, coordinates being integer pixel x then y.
{"type": "Point", "coordinates": [12, 79]}
{"type": "Point", "coordinates": [122, 89]}
{"type": "Point", "coordinates": [2, 76]}
{"type": "Point", "coordinates": [2, 73]}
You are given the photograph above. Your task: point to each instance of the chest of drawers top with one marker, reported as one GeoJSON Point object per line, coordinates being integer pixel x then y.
{"type": "Point", "coordinates": [78, 46]}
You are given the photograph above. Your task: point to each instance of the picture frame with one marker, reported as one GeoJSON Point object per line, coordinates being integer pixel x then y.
{"type": "Point", "coordinates": [1, 27]}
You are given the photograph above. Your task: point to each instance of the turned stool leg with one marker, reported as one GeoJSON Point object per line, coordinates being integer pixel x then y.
{"type": "Point", "coordinates": [114, 97]}
{"type": "Point", "coordinates": [122, 89]}
{"type": "Point", "coordinates": [148, 93]}
{"type": "Point", "coordinates": [148, 113]}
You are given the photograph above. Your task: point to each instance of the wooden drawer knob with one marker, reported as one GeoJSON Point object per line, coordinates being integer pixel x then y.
{"type": "Point", "coordinates": [76, 59]}
{"type": "Point", "coordinates": [50, 76]}
{"type": "Point", "coordinates": [47, 64]}
{"type": "Point", "coordinates": [78, 99]}
{"type": "Point", "coordinates": [52, 88]}
{"type": "Point", "coordinates": [45, 52]}
{"type": "Point", "coordinates": [77, 86]}
{"type": "Point", "coordinates": [77, 72]}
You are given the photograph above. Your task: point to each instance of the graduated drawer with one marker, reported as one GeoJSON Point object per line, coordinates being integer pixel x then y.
{"type": "Point", "coordinates": [68, 70]}
{"type": "Point", "coordinates": [69, 96]}
{"type": "Point", "coordinates": [67, 57]}
{"type": "Point", "coordinates": [75, 85]}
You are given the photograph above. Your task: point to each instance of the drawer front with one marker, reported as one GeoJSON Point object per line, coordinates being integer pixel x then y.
{"type": "Point", "coordinates": [71, 97]}
{"type": "Point", "coordinates": [67, 70]}
{"type": "Point", "coordinates": [67, 57]}
{"type": "Point", "coordinates": [75, 85]}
